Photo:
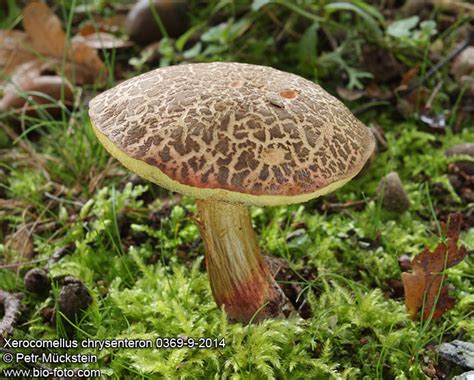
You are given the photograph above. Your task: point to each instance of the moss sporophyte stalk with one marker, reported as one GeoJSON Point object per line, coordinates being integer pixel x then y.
{"type": "Point", "coordinates": [233, 135]}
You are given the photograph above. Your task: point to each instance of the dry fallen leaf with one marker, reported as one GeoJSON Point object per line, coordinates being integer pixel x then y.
{"type": "Point", "coordinates": [47, 37]}
{"type": "Point", "coordinates": [407, 78]}
{"type": "Point", "coordinates": [14, 50]}
{"type": "Point", "coordinates": [24, 72]}
{"type": "Point", "coordinates": [31, 86]}
{"type": "Point", "coordinates": [88, 63]}
{"type": "Point", "coordinates": [427, 281]}
{"type": "Point", "coordinates": [374, 91]}
{"type": "Point", "coordinates": [21, 243]}
{"type": "Point", "coordinates": [44, 29]}
{"type": "Point", "coordinates": [35, 62]}
{"type": "Point", "coordinates": [42, 91]}
{"type": "Point", "coordinates": [408, 104]}
{"type": "Point", "coordinates": [108, 24]}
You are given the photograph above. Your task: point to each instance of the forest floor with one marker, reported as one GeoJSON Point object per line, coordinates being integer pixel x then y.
{"type": "Point", "coordinates": [91, 251]}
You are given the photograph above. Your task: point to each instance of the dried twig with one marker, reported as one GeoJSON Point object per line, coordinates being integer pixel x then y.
{"type": "Point", "coordinates": [22, 264]}
{"type": "Point", "coordinates": [277, 22]}
{"type": "Point", "coordinates": [434, 94]}
{"type": "Point", "coordinates": [59, 254]}
{"type": "Point", "coordinates": [62, 200]}
{"type": "Point", "coordinates": [448, 58]}
{"type": "Point", "coordinates": [11, 305]}
{"type": "Point", "coordinates": [360, 204]}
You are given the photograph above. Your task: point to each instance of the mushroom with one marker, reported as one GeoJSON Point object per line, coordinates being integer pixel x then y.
{"type": "Point", "coordinates": [233, 135]}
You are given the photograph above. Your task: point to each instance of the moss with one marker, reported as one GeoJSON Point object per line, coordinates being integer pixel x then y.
{"type": "Point", "coordinates": [142, 261]}
{"type": "Point", "coordinates": [355, 331]}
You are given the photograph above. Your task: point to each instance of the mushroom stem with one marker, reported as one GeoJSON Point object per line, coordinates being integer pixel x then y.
{"type": "Point", "coordinates": [239, 276]}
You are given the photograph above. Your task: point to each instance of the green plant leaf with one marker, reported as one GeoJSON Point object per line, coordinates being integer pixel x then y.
{"type": "Point", "coordinates": [308, 45]}
{"type": "Point", "coordinates": [345, 6]}
{"type": "Point", "coordinates": [181, 41]}
{"type": "Point", "coordinates": [257, 4]}
{"type": "Point", "coordinates": [402, 28]}
{"type": "Point", "coordinates": [193, 52]}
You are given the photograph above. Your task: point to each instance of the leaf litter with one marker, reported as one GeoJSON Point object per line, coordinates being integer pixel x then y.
{"type": "Point", "coordinates": [43, 50]}
{"type": "Point", "coordinates": [425, 287]}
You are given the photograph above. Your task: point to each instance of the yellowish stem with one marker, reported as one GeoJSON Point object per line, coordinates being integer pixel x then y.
{"type": "Point", "coordinates": [240, 279]}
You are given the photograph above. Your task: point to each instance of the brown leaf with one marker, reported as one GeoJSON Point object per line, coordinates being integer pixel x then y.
{"type": "Point", "coordinates": [13, 50]}
{"type": "Point", "coordinates": [29, 89]}
{"type": "Point", "coordinates": [408, 105]}
{"type": "Point", "coordinates": [113, 23]}
{"type": "Point", "coordinates": [21, 243]}
{"type": "Point", "coordinates": [88, 63]}
{"type": "Point", "coordinates": [34, 62]}
{"type": "Point", "coordinates": [44, 29]}
{"type": "Point", "coordinates": [44, 35]}
{"type": "Point", "coordinates": [109, 24]}
{"type": "Point", "coordinates": [40, 91]}
{"type": "Point", "coordinates": [88, 29]}
{"type": "Point", "coordinates": [24, 72]}
{"type": "Point", "coordinates": [427, 281]}
{"type": "Point", "coordinates": [374, 91]}
{"type": "Point", "coordinates": [407, 78]}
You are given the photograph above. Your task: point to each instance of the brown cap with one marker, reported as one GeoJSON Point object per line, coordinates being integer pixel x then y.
{"type": "Point", "coordinates": [232, 132]}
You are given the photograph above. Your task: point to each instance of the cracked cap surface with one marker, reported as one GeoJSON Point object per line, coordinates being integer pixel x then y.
{"type": "Point", "coordinates": [233, 132]}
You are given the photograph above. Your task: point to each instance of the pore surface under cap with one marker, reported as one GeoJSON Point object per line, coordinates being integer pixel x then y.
{"type": "Point", "coordinates": [236, 127]}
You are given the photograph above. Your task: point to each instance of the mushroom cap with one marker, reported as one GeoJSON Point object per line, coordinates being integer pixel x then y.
{"type": "Point", "coordinates": [232, 132]}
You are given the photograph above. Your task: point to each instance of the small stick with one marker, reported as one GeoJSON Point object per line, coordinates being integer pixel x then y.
{"type": "Point", "coordinates": [341, 206]}
{"type": "Point", "coordinates": [11, 305]}
{"type": "Point", "coordinates": [62, 200]}
{"type": "Point", "coordinates": [451, 55]}
{"type": "Point", "coordinates": [16, 265]}
{"type": "Point", "coordinates": [277, 21]}
{"type": "Point", "coordinates": [58, 255]}
{"type": "Point", "coordinates": [433, 95]}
